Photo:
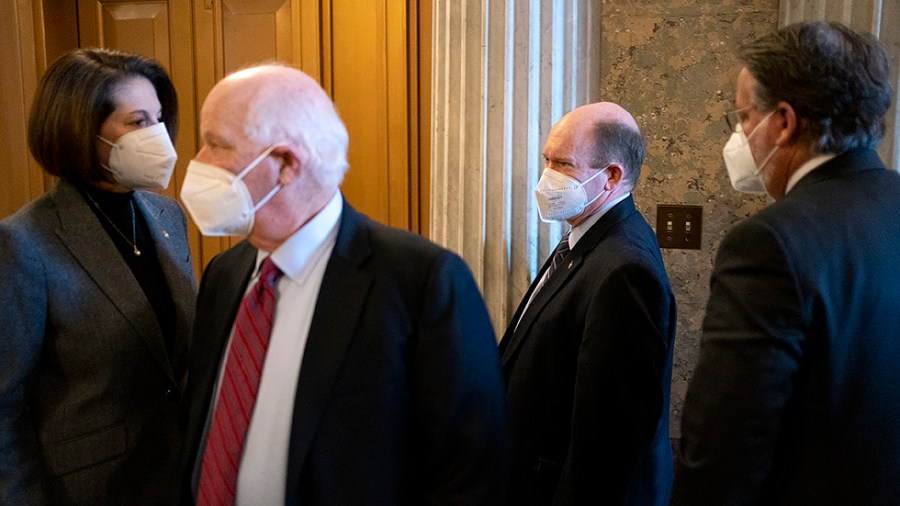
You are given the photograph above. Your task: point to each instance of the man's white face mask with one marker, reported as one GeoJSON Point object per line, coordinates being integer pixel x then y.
{"type": "Point", "coordinates": [560, 197]}
{"type": "Point", "coordinates": [219, 201]}
{"type": "Point", "coordinates": [742, 168]}
{"type": "Point", "coordinates": [142, 159]}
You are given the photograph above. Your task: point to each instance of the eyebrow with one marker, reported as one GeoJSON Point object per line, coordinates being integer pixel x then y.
{"type": "Point", "coordinates": [558, 159]}
{"type": "Point", "coordinates": [145, 112]}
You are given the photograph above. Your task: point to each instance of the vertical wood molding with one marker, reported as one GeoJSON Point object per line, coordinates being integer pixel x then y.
{"type": "Point", "coordinates": [880, 17]}
{"type": "Point", "coordinates": [23, 181]}
{"type": "Point", "coordinates": [504, 71]}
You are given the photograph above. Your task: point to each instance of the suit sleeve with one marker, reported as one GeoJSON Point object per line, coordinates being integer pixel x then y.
{"type": "Point", "coordinates": [750, 352]}
{"type": "Point", "coordinates": [458, 391]}
{"type": "Point", "coordinates": [23, 302]}
{"type": "Point", "coordinates": [619, 388]}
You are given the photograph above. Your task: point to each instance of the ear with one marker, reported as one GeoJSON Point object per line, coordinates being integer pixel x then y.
{"type": "Point", "coordinates": [291, 160]}
{"type": "Point", "coordinates": [614, 175]}
{"type": "Point", "coordinates": [785, 118]}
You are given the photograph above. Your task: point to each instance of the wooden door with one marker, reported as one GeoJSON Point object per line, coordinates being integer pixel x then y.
{"type": "Point", "coordinates": [22, 179]}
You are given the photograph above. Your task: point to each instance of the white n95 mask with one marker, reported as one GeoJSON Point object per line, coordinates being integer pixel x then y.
{"type": "Point", "coordinates": [142, 159]}
{"type": "Point", "coordinates": [560, 197]}
{"type": "Point", "coordinates": [219, 201]}
{"type": "Point", "coordinates": [742, 168]}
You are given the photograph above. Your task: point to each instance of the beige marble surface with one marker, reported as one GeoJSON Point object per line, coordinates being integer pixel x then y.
{"type": "Point", "coordinates": [672, 64]}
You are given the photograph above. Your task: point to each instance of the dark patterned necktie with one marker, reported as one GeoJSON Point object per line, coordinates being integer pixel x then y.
{"type": "Point", "coordinates": [237, 394]}
{"type": "Point", "coordinates": [562, 249]}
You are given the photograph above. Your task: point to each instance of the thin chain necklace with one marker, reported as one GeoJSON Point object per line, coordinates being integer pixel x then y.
{"type": "Point", "coordinates": [133, 241]}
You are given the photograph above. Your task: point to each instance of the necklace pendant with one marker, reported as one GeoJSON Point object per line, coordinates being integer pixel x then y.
{"type": "Point", "coordinates": [137, 252]}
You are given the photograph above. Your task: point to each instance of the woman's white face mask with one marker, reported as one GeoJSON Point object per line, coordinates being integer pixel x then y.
{"type": "Point", "coordinates": [142, 159]}
{"type": "Point", "coordinates": [219, 201]}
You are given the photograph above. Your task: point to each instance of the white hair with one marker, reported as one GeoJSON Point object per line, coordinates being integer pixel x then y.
{"type": "Point", "coordinates": [293, 108]}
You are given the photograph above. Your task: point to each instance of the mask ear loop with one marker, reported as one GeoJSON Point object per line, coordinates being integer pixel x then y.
{"type": "Point", "coordinates": [588, 180]}
{"type": "Point", "coordinates": [262, 156]}
{"type": "Point", "coordinates": [113, 145]}
{"type": "Point", "coordinates": [759, 167]}
{"type": "Point", "coordinates": [267, 198]}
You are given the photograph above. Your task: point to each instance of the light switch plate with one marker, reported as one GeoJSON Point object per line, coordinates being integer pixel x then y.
{"type": "Point", "coordinates": [679, 226]}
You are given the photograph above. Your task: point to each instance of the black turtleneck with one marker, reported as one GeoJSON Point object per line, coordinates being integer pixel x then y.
{"type": "Point", "coordinates": [116, 209]}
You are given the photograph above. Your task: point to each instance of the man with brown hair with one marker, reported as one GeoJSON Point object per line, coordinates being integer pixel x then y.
{"type": "Point", "coordinates": [795, 399]}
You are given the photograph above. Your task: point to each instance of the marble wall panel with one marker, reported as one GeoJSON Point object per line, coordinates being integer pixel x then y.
{"type": "Point", "coordinates": [672, 64]}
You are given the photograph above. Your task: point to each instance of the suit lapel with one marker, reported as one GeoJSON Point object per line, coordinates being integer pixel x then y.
{"type": "Point", "coordinates": [517, 316]}
{"type": "Point", "coordinates": [224, 285]}
{"type": "Point", "coordinates": [571, 265]}
{"type": "Point", "coordinates": [81, 232]}
{"type": "Point", "coordinates": [340, 304]}
{"type": "Point", "coordinates": [174, 259]}
{"type": "Point", "coordinates": [559, 279]}
{"type": "Point", "coordinates": [222, 289]}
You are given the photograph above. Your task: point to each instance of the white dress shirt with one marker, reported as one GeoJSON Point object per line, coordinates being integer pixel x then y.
{"type": "Point", "coordinates": [262, 475]}
{"type": "Point", "coordinates": [810, 165]}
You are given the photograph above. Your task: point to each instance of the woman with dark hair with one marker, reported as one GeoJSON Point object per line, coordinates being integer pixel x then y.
{"type": "Point", "coordinates": [97, 293]}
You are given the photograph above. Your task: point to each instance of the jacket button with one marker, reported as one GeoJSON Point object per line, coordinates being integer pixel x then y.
{"type": "Point", "coordinates": [171, 394]}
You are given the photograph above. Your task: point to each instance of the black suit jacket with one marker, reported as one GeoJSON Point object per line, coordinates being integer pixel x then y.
{"type": "Point", "coordinates": [588, 369]}
{"type": "Point", "coordinates": [88, 392]}
{"type": "Point", "coordinates": [795, 399]}
{"type": "Point", "coordinates": [400, 398]}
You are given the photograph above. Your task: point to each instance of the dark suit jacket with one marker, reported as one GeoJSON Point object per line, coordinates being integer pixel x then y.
{"type": "Point", "coordinates": [88, 392]}
{"type": "Point", "coordinates": [588, 371]}
{"type": "Point", "coordinates": [400, 399]}
{"type": "Point", "coordinates": [795, 399]}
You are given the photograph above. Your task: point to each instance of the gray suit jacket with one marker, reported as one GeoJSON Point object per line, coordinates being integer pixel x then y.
{"type": "Point", "coordinates": [88, 393]}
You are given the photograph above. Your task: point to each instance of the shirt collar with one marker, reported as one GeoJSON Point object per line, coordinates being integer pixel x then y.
{"type": "Point", "coordinates": [810, 165]}
{"type": "Point", "coordinates": [582, 228]}
{"type": "Point", "coordinates": [294, 254]}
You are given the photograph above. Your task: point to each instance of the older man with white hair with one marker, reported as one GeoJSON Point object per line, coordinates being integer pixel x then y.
{"type": "Point", "coordinates": [335, 360]}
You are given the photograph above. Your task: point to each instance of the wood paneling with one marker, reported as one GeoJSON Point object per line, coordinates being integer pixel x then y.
{"type": "Point", "coordinates": [256, 30]}
{"type": "Point", "coordinates": [368, 48]}
{"type": "Point", "coordinates": [22, 178]}
{"type": "Point", "coordinates": [134, 27]}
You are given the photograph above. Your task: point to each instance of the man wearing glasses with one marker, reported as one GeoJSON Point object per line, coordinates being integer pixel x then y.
{"type": "Point", "coordinates": [795, 398]}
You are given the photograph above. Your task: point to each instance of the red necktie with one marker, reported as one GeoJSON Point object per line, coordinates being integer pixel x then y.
{"type": "Point", "coordinates": [237, 394]}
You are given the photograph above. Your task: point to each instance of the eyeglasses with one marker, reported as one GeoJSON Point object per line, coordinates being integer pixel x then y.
{"type": "Point", "coordinates": [733, 119]}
